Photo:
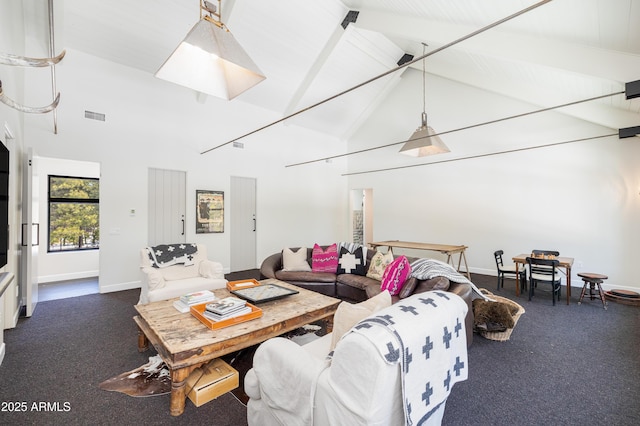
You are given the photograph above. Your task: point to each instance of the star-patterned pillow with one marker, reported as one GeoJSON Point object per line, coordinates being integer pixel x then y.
{"type": "Point", "coordinates": [352, 262]}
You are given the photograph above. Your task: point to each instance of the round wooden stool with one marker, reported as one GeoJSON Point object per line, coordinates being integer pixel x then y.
{"type": "Point", "coordinates": [592, 279]}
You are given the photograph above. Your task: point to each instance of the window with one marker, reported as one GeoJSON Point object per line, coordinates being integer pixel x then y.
{"type": "Point", "coordinates": [73, 213]}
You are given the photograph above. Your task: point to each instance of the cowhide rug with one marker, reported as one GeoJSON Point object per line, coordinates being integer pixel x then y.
{"type": "Point", "coordinates": [153, 378]}
{"type": "Point", "coordinates": [149, 380]}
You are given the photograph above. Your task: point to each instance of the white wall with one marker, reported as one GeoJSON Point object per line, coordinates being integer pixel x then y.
{"type": "Point", "coordinates": [151, 123]}
{"type": "Point", "coordinates": [581, 198]}
{"type": "Point", "coordinates": [11, 40]}
{"type": "Point", "coordinates": [58, 266]}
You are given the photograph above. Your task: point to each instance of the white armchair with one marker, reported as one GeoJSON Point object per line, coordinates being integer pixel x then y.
{"type": "Point", "coordinates": [176, 280]}
{"type": "Point", "coordinates": [359, 384]}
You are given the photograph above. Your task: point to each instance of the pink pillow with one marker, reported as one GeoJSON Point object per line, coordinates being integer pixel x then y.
{"type": "Point", "coordinates": [395, 275]}
{"type": "Point", "coordinates": [324, 261]}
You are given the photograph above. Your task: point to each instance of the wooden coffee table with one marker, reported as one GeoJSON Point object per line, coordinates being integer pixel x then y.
{"type": "Point", "coordinates": [184, 343]}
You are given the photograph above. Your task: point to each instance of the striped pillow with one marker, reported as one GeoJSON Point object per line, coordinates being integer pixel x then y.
{"type": "Point", "coordinates": [324, 260]}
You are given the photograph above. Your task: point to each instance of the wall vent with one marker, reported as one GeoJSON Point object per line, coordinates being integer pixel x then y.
{"type": "Point", "coordinates": [94, 115]}
{"type": "Point", "coordinates": [238, 145]}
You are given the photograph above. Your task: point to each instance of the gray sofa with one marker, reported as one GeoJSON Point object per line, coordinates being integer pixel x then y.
{"type": "Point", "coordinates": [358, 288]}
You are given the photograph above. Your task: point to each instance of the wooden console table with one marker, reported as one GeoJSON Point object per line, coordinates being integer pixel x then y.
{"type": "Point", "coordinates": [449, 250]}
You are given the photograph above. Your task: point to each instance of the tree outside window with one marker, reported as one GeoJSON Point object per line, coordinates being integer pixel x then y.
{"type": "Point", "coordinates": [73, 213]}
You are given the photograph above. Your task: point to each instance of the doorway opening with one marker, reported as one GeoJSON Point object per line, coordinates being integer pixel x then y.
{"type": "Point", "coordinates": [361, 213]}
{"type": "Point", "coordinates": [64, 273]}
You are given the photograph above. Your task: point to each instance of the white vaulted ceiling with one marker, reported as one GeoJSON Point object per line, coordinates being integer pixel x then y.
{"type": "Point", "coordinates": [563, 51]}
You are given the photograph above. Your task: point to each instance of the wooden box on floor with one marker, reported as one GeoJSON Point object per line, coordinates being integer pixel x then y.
{"type": "Point", "coordinates": [210, 381]}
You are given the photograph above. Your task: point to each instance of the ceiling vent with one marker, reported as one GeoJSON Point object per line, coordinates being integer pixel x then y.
{"type": "Point", "coordinates": [94, 115]}
{"type": "Point", "coordinates": [352, 15]}
{"type": "Point", "coordinates": [405, 58]}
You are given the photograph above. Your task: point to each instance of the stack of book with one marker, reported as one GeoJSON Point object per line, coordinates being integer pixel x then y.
{"type": "Point", "coordinates": [195, 298]}
{"type": "Point", "coordinates": [229, 307]}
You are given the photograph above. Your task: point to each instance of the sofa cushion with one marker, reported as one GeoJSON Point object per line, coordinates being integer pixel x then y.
{"type": "Point", "coordinates": [155, 279]}
{"type": "Point", "coordinates": [179, 272]}
{"type": "Point", "coordinates": [352, 262]}
{"type": "Point", "coordinates": [306, 276]}
{"type": "Point", "coordinates": [211, 269]}
{"type": "Point", "coordinates": [188, 285]}
{"type": "Point", "coordinates": [295, 261]}
{"type": "Point", "coordinates": [414, 285]}
{"type": "Point", "coordinates": [324, 260]}
{"type": "Point", "coordinates": [378, 264]}
{"type": "Point", "coordinates": [357, 281]}
{"type": "Point", "coordinates": [395, 275]}
{"type": "Point", "coordinates": [347, 315]}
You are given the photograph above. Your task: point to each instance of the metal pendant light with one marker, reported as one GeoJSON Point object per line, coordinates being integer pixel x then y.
{"type": "Point", "coordinates": [424, 141]}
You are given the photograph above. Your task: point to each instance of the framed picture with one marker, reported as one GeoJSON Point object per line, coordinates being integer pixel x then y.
{"type": "Point", "coordinates": [209, 211]}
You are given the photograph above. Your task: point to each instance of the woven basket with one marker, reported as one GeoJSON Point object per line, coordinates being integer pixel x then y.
{"type": "Point", "coordinates": [502, 336]}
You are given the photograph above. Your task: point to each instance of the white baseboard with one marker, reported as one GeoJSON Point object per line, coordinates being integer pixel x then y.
{"type": "Point", "coordinates": [16, 317]}
{"type": "Point", "coordinates": [576, 281]}
{"type": "Point", "coordinates": [66, 277]}
{"type": "Point", "coordinates": [110, 288]}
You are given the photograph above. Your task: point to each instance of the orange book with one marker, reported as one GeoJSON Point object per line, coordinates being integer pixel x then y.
{"type": "Point", "coordinates": [198, 312]}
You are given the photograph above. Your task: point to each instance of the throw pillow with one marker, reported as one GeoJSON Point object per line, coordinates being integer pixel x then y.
{"type": "Point", "coordinates": [378, 264]}
{"type": "Point", "coordinates": [324, 260]}
{"type": "Point", "coordinates": [352, 262]}
{"type": "Point", "coordinates": [352, 247]}
{"type": "Point", "coordinates": [295, 261]}
{"type": "Point", "coordinates": [347, 315]}
{"type": "Point", "coordinates": [395, 275]}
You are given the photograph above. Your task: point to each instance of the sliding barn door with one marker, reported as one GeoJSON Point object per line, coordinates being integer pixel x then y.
{"type": "Point", "coordinates": [167, 206]}
{"type": "Point", "coordinates": [243, 223]}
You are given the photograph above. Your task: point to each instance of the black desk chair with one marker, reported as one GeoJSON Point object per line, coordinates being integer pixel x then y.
{"type": "Point", "coordinates": [508, 270]}
{"type": "Point", "coordinates": [544, 271]}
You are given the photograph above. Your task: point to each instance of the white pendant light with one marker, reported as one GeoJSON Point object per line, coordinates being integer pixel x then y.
{"type": "Point", "coordinates": [210, 60]}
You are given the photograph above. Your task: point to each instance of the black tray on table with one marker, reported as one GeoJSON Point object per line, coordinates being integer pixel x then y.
{"type": "Point", "coordinates": [264, 293]}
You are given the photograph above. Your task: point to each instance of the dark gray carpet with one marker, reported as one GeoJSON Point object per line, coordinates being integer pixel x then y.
{"type": "Point", "coordinates": [68, 347]}
{"type": "Point", "coordinates": [569, 365]}
{"type": "Point", "coordinates": [565, 365]}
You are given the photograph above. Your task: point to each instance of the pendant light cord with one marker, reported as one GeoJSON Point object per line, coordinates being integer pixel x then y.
{"type": "Point", "coordinates": [424, 89]}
